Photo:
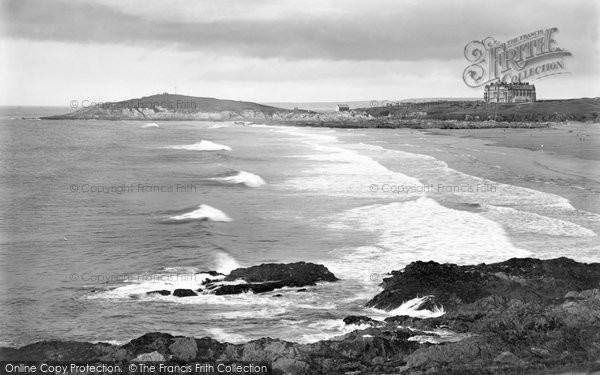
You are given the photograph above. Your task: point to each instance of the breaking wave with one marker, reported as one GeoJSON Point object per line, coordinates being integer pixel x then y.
{"type": "Point", "coordinates": [203, 212]}
{"type": "Point", "coordinates": [411, 308]}
{"type": "Point", "coordinates": [242, 177]}
{"type": "Point", "coordinates": [201, 146]}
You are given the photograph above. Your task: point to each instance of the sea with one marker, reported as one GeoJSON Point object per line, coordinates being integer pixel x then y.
{"type": "Point", "coordinates": [97, 213]}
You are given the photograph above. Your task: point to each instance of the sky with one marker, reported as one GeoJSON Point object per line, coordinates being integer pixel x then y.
{"type": "Point", "coordinates": [53, 52]}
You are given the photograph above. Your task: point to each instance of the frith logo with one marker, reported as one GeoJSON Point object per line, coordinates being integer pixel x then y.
{"type": "Point", "coordinates": [528, 57]}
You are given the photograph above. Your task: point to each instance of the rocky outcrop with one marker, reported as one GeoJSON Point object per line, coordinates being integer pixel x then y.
{"type": "Point", "coordinates": [268, 277]}
{"type": "Point", "coordinates": [184, 293]}
{"type": "Point", "coordinates": [159, 292]}
{"type": "Point", "coordinates": [291, 274]}
{"type": "Point", "coordinates": [256, 279]}
{"type": "Point", "coordinates": [521, 279]}
{"type": "Point", "coordinates": [522, 316]}
{"type": "Point", "coordinates": [267, 286]}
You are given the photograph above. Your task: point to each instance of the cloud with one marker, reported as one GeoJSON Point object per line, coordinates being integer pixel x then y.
{"type": "Point", "coordinates": [328, 30]}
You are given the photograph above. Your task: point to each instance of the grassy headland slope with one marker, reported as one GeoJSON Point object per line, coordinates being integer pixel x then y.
{"type": "Point", "coordinates": [436, 114]}
{"type": "Point", "coordinates": [171, 107]}
{"type": "Point", "coordinates": [584, 109]}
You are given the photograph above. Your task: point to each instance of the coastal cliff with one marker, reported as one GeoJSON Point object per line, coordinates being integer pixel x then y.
{"type": "Point", "coordinates": [526, 316]}
{"type": "Point", "coordinates": [166, 107]}
{"type": "Point", "coordinates": [441, 114]}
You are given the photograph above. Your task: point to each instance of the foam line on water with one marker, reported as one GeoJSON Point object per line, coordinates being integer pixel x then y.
{"type": "Point", "coordinates": [201, 146]}
{"type": "Point", "coordinates": [203, 212]}
{"type": "Point", "coordinates": [420, 229]}
{"type": "Point", "coordinates": [412, 308]}
{"type": "Point", "coordinates": [241, 178]}
{"type": "Point", "coordinates": [339, 171]}
{"type": "Point", "coordinates": [527, 222]}
{"type": "Point", "coordinates": [417, 226]}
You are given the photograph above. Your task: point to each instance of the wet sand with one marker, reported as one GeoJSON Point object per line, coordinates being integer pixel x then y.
{"type": "Point", "coordinates": [563, 159]}
{"type": "Point", "coordinates": [568, 163]}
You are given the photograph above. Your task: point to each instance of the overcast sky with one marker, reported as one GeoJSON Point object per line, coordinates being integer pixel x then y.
{"type": "Point", "coordinates": [53, 52]}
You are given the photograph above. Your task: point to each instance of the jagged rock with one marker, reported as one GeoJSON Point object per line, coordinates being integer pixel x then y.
{"type": "Point", "coordinates": [184, 348]}
{"type": "Point", "coordinates": [57, 351]}
{"type": "Point", "coordinates": [248, 287]}
{"type": "Point", "coordinates": [361, 320]}
{"type": "Point", "coordinates": [507, 357]}
{"type": "Point", "coordinates": [150, 342]}
{"type": "Point", "coordinates": [184, 293]}
{"type": "Point", "coordinates": [268, 277]}
{"type": "Point", "coordinates": [161, 292]}
{"type": "Point", "coordinates": [149, 357]}
{"type": "Point", "coordinates": [525, 279]}
{"type": "Point", "coordinates": [502, 328]}
{"type": "Point", "coordinates": [292, 274]}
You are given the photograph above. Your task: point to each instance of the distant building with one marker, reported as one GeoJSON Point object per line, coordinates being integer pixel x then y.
{"type": "Point", "coordinates": [500, 92]}
{"type": "Point", "coordinates": [342, 108]}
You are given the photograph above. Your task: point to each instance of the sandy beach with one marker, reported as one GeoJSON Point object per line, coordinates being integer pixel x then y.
{"type": "Point", "coordinates": [566, 164]}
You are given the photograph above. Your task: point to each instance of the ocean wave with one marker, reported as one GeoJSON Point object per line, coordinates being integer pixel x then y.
{"type": "Point", "coordinates": [242, 177]}
{"type": "Point", "coordinates": [411, 308]}
{"type": "Point", "coordinates": [225, 263]}
{"type": "Point", "coordinates": [203, 212]}
{"type": "Point", "coordinates": [221, 335]}
{"type": "Point", "coordinates": [201, 146]}
{"type": "Point", "coordinates": [420, 229]}
{"type": "Point", "coordinates": [326, 329]}
{"type": "Point", "coordinates": [150, 125]}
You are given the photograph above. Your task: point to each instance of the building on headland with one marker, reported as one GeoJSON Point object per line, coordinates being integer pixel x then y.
{"type": "Point", "coordinates": [342, 108]}
{"type": "Point", "coordinates": [500, 92]}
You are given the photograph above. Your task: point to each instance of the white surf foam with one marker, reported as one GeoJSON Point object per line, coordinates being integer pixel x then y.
{"type": "Point", "coordinates": [326, 329]}
{"type": "Point", "coordinates": [151, 125]}
{"type": "Point", "coordinates": [203, 212]}
{"type": "Point", "coordinates": [242, 177]}
{"type": "Point", "coordinates": [225, 263]}
{"type": "Point", "coordinates": [527, 222]}
{"type": "Point", "coordinates": [201, 146]}
{"type": "Point", "coordinates": [220, 335]}
{"type": "Point", "coordinates": [439, 336]}
{"type": "Point", "coordinates": [177, 278]}
{"type": "Point", "coordinates": [416, 226]}
{"type": "Point", "coordinates": [411, 308]}
{"type": "Point", "coordinates": [344, 172]}
{"type": "Point", "coordinates": [420, 229]}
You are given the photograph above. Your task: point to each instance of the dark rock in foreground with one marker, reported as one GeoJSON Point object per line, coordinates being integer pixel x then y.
{"type": "Point", "coordinates": [522, 316]}
{"type": "Point", "coordinates": [524, 279]}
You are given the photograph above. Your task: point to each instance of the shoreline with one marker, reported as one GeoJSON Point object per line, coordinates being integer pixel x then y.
{"type": "Point", "coordinates": [450, 114]}
{"type": "Point", "coordinates": [509, 157]}
{"type": "Point", "coordinates": [514, 316]}
{"type": "Point", "coordinates": [561, 167]}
